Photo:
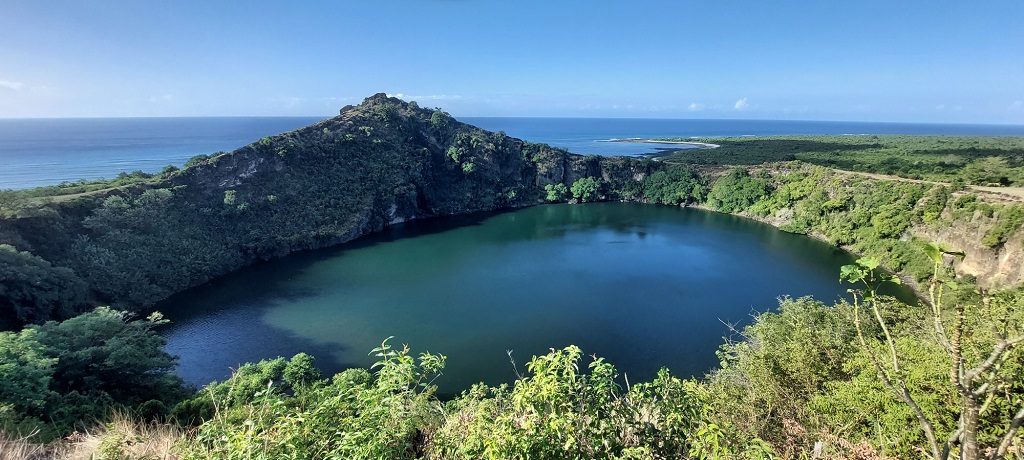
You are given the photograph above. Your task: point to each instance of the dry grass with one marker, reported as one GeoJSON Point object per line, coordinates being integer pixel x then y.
{"type": "Point", "coordinates": [22, 449]}
{"type": "Point", "coordinates": [122, 438]}
{"type": "Point", "coordinates": [127, 437]}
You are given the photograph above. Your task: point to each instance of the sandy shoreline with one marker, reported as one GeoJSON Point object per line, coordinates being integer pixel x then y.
{"type": "Point", "coordinates": [640, 140]}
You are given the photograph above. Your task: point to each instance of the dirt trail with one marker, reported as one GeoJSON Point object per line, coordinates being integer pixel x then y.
{"type": "Point", "coordinates": [1002, 194]}
{"type": "Point", "coordinates": [62, 198]}
{"type": "Point", "coordinates": [1012, 193]}
{"type": "Point", "coordinates": [59, 198]}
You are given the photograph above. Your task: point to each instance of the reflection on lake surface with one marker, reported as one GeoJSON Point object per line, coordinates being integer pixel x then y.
{"type": "Point", "coordinates": [642, 286]}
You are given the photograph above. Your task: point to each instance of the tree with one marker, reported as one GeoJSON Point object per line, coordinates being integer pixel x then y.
{"type": "Point", "coordinates": [300, 370]}
{"type": "Point", "coordinates": [737, 191]}
{"type": "Point", "coordinates": [987, 171]}
{"type": "Point", "coordinates": [674, 186]}
{"type": "Point", "coordinates": [32, 289]}
{"type": "Point", "coordinates": [25, 373]}
{"type": "Point", "coordinates": [72, 372]}
{"type": "Point", "coordinates": [440, 121]}
{"type": "Point", "coordinates": [104, 351]}
{"type": "Point", "coordinates": [556, 192]}
{"type": "Point", "coordinates": [979, 344]}
{"type": "Point", "coordinates": [586, 189]}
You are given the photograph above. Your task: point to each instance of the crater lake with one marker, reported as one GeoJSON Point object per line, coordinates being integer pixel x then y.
{"type": "Point", "coordinates": [643, 286]}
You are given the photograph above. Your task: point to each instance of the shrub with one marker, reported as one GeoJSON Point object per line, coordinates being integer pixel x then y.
{"type": "Point", "coordinates": [586, 189]}
{"type": "Point", "coordinates": [556, 192]}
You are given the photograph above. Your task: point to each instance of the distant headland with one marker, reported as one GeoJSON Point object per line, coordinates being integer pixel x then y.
{"type": "Point", "coordinates": [641, 140]}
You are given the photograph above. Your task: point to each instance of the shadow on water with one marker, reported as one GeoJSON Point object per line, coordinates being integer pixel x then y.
{"type": "Point", "coordinates": [232, 307]}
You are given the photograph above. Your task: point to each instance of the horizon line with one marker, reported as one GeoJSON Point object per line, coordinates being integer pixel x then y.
{"type": "Point", "coordinates": [324, 117]}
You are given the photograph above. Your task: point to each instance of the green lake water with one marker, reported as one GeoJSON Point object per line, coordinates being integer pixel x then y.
{"type": "Point", "coordinates": [642, 286]}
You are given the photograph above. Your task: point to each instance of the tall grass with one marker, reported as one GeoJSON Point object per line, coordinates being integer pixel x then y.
{"type": "Point", "coordinates": [22, 449]}
{"type": "Point", "coordinates": [123, 438]}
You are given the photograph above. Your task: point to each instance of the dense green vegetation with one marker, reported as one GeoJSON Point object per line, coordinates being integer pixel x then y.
{"type": "Point", "coordinates": [20, 202]}
{"type": "Point", "coordinates": [859, 213]}
{"type": "Point", "coordinates": [379, 163]}
{"type": "Point", "coordinates": [586, 189]}
{"type": "Point", "coordinates": [800, 375]}
{"type": "Point", "coordinates": [557, 410]}
{"type": "Point", "coordinates": [868, 379]}
{"type": "Point", "coordinates": [61, 376]}
{"type": "Point", "coordinates": [33, 290]}
{"type": "Point", "coordinates": [971, 159]}
{"type": "Point", "coordinates": [675, 185]}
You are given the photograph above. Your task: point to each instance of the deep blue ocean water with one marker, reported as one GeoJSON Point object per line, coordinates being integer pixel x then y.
{"type": "Point", "coordinates": [35, 152]}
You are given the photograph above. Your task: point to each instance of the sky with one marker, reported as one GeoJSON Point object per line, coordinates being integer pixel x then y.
{"type": "Point", "coordinates": [905, 61]}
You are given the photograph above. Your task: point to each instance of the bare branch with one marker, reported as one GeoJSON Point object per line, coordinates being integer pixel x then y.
{"type": "Point", "coordinates": [956, 372]}
{"type": "Point", "coordinates": [997, 353]}
{"type": "Point", "coordinates": [936, 300]}
{"type": "Point", "coordinates": [952, 439]}
{"type": "Point", "coordinates": [901, 391]}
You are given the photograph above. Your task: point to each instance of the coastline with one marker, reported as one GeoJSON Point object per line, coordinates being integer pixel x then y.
{"type": "Point", "coordinates": [641, 140]}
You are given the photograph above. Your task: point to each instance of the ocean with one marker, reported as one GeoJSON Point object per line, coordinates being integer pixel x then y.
{"type": "Point", "coordinates": [37, 152]}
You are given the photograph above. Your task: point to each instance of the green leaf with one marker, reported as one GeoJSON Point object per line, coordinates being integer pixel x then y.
{"type": "Point", "coordinates": [851, 273]}
{"type": "Point", "coordinates": [934, 252]}
{"type": "Point", "coordinates": [869, 263]}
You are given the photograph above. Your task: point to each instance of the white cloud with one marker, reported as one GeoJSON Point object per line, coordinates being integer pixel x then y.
{"type": "Point", "coordinates": [15, 85]}
{"type": "Point", "coordinates": [695, 107]}
{"type": "Point", "coordinates": [437, 97]}
{"type": "Point", "coordinates": [742, 104]}
{"type": "Point", "coordinates": [1017, 105]}
{"type": "Point", "coordinates": [431, 97]}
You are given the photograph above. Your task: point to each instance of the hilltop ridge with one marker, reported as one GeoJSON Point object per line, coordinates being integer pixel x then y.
{"type": "Point", "coordinates": [379, 163]}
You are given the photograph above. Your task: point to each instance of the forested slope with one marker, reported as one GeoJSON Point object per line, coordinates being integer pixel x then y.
{"type": "Point", "coordinates": [376, 164]}
{"type": "Point", "coordinates": [889, 219]}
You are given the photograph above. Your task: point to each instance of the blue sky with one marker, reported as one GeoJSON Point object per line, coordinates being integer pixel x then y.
{"type": "Point", "coordinates": [916, 61]}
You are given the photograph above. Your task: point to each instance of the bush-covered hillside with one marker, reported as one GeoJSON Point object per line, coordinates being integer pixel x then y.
{"type": "Point", "coordinates": [376, 164]}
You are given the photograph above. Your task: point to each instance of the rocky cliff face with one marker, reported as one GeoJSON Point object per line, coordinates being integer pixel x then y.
{"type": "Point", "coordinates": [994, 268]}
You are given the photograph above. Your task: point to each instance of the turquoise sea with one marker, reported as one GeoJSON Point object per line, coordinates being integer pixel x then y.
{"type": "Point", "coordinates": [36, 152]}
